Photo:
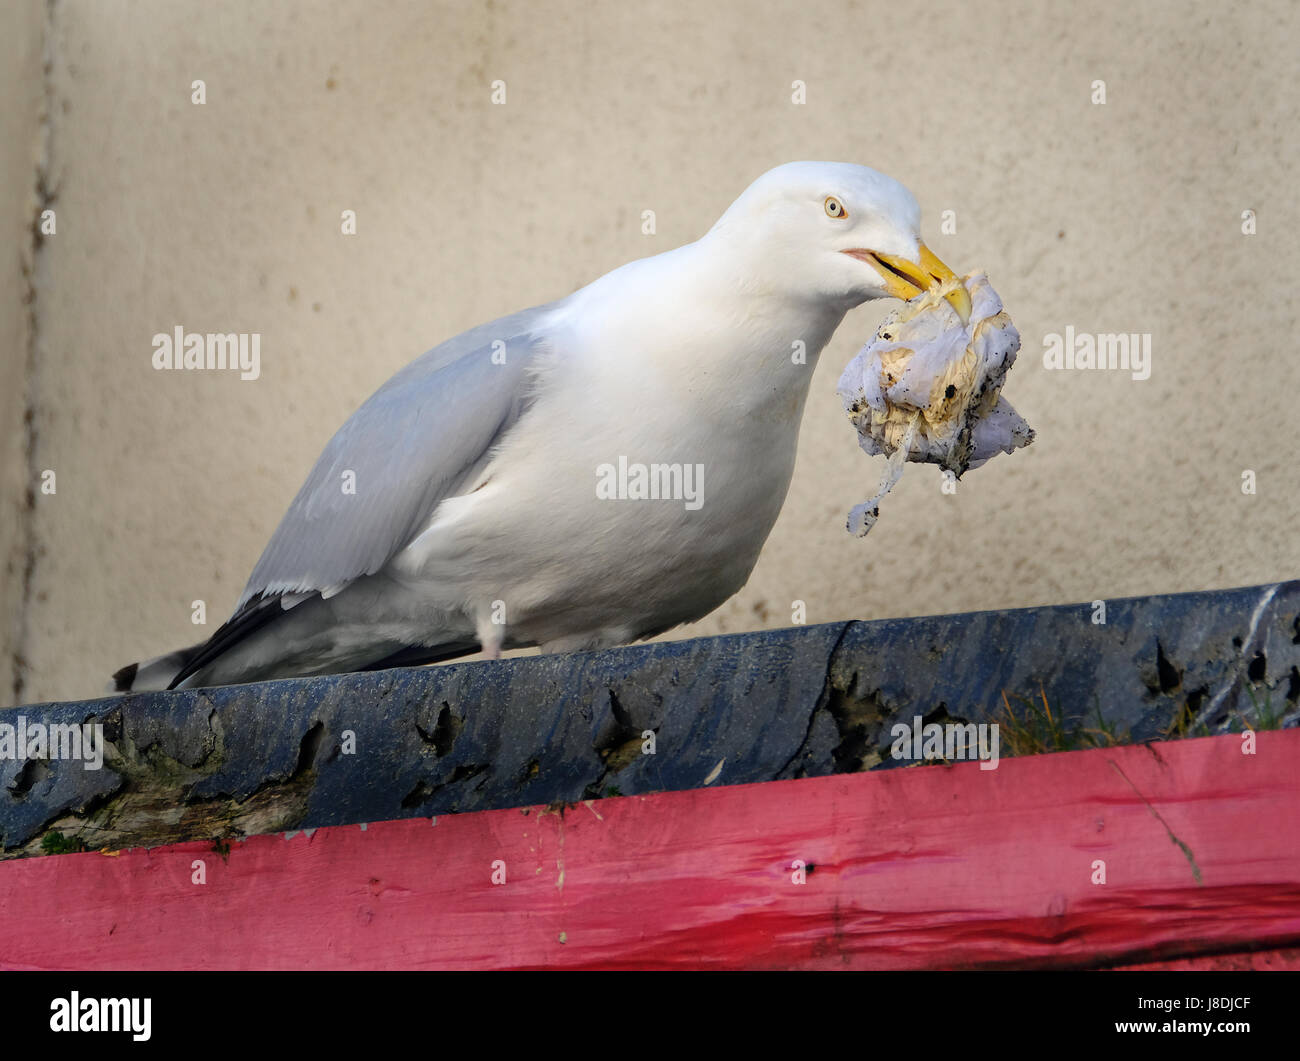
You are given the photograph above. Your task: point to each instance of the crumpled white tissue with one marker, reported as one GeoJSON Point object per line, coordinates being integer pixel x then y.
{"type": "Point", "coordinates": [927, 388]}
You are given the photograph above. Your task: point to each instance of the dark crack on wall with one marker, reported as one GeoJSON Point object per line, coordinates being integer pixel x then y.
{"type": "Point", "coordinates": [424, 790]}
{"type": "Point", "coordinates": [46, 193]}
{"type": "Point", "coordinates": [33, 772]}
{"type": "Point", "coordinates": [1196, 699]}
{"type": "Point", "coordinates": [445, 731]}
{"type": "Point", "coordinates": [621, 744]}
{"type": "Point", "coordinates": [859, 714]}
{"type": "Point", "coordinates": [419, 794]}
{"type": "Point", "coordinates": [819, 708]}
{"type": "Point", "coordinates": [617, 745]}
{"type": "Point", "coordinates": [307, 749]}
{"type": "Point", "coordinates": [1168, 676]}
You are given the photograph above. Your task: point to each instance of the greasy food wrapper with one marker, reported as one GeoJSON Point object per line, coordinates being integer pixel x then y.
{"type": "Point", "coordinates": [927, 387]}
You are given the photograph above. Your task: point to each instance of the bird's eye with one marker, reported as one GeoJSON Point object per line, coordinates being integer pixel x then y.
{"type": "Point", "coordinates": [834, 208]}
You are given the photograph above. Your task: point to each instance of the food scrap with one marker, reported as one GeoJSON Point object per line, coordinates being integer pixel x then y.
{"type": "Point", "coordinates": [927, 388]}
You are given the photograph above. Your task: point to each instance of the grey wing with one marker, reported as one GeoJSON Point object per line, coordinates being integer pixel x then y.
{"type": "Point", "coordinates": [417, 440]}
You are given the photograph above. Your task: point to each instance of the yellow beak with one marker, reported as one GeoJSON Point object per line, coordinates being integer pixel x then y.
{"type": "Point", "coordinates": [906, 280]}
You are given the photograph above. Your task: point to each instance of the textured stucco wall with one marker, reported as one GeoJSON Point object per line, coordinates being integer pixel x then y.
{"type": "Point", "coordinates": [225, 217]}
{"type": "Point", "coordinates": [22, 143]}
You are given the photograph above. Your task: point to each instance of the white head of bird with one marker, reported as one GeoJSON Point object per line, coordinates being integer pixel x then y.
{"type": "Point", "coordinates": [831, 233]}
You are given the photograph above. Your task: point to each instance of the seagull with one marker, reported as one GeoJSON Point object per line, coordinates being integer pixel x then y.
{"type": "Point", "coordinates": [468, 506]}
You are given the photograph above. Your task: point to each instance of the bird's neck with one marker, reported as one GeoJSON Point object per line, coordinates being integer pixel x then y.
{"type": "Point", "coordinates": [708, 285]}
{"type": "Point", "coordinates": [715, 344]}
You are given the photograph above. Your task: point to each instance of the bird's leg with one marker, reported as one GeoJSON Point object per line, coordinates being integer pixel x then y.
{"type": "Point", "coordinates": [491, 629]}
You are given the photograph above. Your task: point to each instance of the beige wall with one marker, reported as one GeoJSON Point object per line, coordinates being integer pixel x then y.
{"type": "Point", "coordinates": [225, 217]}
{"type": "Point", "coordinates": [22, 145]}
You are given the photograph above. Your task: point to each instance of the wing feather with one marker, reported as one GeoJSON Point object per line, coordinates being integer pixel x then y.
{"type": "Point", "coordinates": [417, 440]}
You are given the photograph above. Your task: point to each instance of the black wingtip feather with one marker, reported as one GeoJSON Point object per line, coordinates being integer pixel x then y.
{"type": "Point", "coordinates": [125, 678]}
{"type": "Point", "coordinates": [254, 615]}
{"type": "Point", "coordinates": [419, 655]}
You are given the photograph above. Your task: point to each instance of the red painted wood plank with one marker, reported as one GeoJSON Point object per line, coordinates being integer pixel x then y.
{"type": "Point", "coordinates": [1277, 960]}
{"type": "Point", "coordinates": [934, 867]}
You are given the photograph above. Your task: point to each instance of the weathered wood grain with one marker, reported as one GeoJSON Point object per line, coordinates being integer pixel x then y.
{"type": "Point", "coordinates": [775, 705]}
{"type": "Point", "coordinates": [930, 867]}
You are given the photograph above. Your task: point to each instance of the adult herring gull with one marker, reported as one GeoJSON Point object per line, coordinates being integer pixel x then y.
{"type": "Point", "coordinates": [483, 511]}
